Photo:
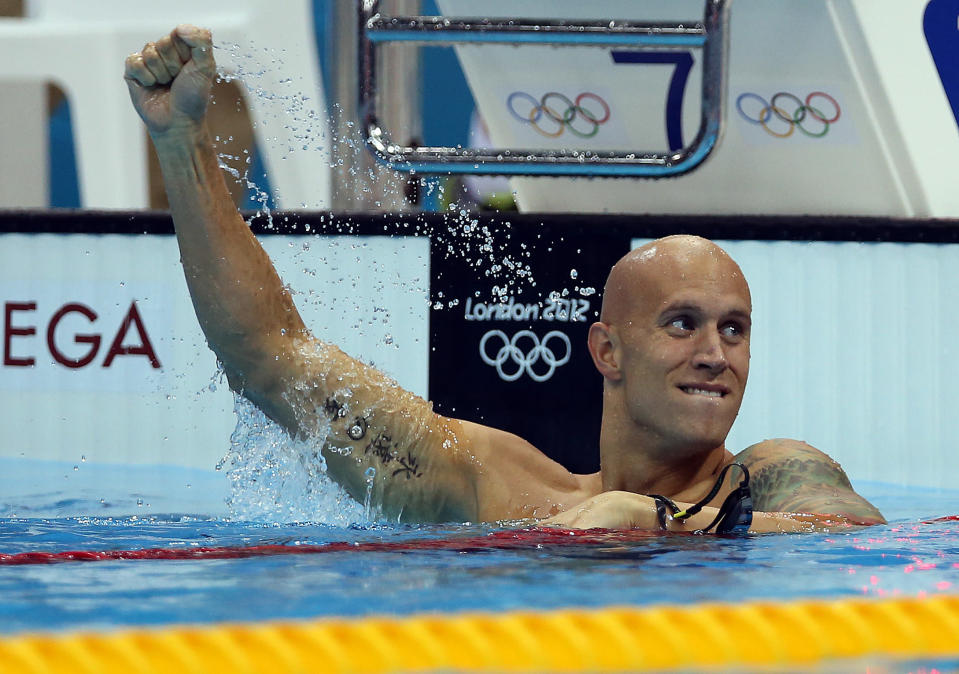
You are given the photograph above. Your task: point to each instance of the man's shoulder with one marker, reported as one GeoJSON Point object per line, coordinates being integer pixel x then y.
{"type": "Point", "coordinates": [515, 480]}
{"type": "Point", "coordinates": [783, 450]}
{"type": "Point", "coordinates": [781, 469]}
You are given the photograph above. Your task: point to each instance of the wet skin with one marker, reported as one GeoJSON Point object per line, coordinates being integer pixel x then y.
{"type": "Point", "coordinates": [672, 345]}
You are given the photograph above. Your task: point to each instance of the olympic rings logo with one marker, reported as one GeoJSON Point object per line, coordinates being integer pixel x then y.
{"type": "Point", "coordinates": [523, 361]}
{"type": "Point", "coordinates": [582, 116]}
{"type": "Point", "coordinates": [798, 118]}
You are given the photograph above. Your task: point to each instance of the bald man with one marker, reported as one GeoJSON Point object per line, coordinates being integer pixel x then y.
{"type": "Point", "coordinates": [672, 346]}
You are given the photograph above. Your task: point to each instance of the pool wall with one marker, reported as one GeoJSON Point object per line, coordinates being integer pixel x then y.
{"type": "Point", "coordinates": [103, 361]}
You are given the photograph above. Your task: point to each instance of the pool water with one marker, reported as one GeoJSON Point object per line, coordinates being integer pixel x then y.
{"type": "Point", "coordinates": [912, 556]}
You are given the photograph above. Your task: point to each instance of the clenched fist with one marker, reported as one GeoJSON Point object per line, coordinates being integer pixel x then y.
{"type": "Point", "coordinates": [170, 80]}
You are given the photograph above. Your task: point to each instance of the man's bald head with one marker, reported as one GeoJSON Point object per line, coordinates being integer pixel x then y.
{"type": "Point", "coordinates": [672, 345]}
{"type": "Point", "coordinates": [650, 272]}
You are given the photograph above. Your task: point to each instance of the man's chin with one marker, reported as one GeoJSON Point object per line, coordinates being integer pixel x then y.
{"type": "Point", "coordinates": [701, 440]}
{"type": "Point", "coordinates": [699, 446]}
{"type": "Point", "coordinates": [710, 425]}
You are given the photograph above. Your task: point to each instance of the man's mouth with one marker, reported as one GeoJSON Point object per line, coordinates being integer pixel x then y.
{"type": "Point", "coordinates": [708, 392]}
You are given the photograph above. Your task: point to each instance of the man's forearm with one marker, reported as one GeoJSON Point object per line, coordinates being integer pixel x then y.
{"type": "Point", "coordinates": [627, 510]}
{"type": "Point", "coordinates": [771, 522]}
{"type": "Point", "coordinates": [239, 299]}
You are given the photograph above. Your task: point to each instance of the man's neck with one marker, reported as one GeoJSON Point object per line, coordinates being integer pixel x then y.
{"type": "Point", "coordinates": [688, 481]}
{"type": "Point", "coordinates": [636, 461]}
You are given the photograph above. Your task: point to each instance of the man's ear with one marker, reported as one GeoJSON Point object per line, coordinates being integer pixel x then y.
{"type": "Point", "coordinates": [602, 348]}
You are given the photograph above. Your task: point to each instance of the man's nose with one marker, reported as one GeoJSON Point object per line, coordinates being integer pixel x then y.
{"type": "Point", "coordinates": [710, 354]}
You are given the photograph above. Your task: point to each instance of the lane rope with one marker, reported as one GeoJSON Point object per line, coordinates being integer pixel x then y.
{"type": "Point", "coordinates": [497, 540]}
{"type": "Point", "coordinates": [509, 539]}
{"type": "Point", "coordinates": [794, 636]}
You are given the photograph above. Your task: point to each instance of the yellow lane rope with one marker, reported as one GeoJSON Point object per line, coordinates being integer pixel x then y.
{"type": "Point", "coordinates": [718, 636]}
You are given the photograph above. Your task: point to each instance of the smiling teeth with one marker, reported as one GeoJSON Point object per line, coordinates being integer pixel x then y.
{"type": "Point", "coordinates": [702, 392]}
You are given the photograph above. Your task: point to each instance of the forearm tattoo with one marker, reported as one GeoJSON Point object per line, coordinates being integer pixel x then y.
{"type": "Point", "coordinates": [334, 409]}
{"type": "Point", "coordinates": [357, 430]}
{"type": "Point", "coordinates": [387, 452]}
{"type": "Point", "coordinates": [381, 447]}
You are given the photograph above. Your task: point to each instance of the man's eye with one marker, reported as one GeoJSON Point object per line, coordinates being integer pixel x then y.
{"type": "Point", "coordinates": [682, 323]}
{"type": "Point", "coordinates": [732, 330]}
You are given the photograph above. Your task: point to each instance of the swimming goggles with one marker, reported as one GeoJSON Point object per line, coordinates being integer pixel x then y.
{"type": "Point", "coordinates": [735, 514]}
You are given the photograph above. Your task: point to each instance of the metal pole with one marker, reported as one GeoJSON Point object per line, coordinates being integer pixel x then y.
{"type": "Point", "coordinates": [359, 182]}
{"type": "Point", "coordinates": [402, 91]}
{"type": "Point", "coordinates": [712, 37]}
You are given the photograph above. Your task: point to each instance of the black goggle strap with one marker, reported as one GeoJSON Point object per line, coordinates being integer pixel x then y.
{"type": "Point", "coordinates": [735, 514]}
{"type": "Point", "coordinates": [662, 505]}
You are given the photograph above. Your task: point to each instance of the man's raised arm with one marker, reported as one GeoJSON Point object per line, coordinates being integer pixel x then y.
{"type": "Point", "coordinates": [240, 301]}
{"type": "Point", "coordinates": [252, 325]}
{"type": "Point", "coordinates": [380, 441]}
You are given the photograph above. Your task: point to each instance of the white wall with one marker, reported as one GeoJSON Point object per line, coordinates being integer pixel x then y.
{"type": "Point", "coordinates": [854, 350]}
{"type": "Point", "coordinates": [853, 346]}
{"type": "Point", "coordinates": [134, 413]}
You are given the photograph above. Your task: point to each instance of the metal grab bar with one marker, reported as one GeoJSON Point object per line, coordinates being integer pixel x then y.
{"type": "Point", "coordinates": [712, 36]}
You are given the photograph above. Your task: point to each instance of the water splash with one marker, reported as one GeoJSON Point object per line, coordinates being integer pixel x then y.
{"type": "Point", "coordinates": [286, 119]}
{"type": "Point", "coordinates": [277, 479]}
{"type": "Point", "coordinates": [460, 236]}
{"type": "Point", "coordinates": [370, 477]}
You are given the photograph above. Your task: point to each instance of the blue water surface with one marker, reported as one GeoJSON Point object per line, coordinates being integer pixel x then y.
{"type": "Point", "coordinates": [909, 557]}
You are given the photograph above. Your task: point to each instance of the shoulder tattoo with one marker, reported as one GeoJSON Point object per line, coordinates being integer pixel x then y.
{"type": "Point", "coordinates": [795, 477]}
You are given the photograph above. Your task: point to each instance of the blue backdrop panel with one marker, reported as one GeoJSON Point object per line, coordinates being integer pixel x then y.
{"type": "Point", "coordinates": [941, 24]}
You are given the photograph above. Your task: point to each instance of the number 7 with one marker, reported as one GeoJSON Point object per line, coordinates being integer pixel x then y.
{"type": "Point", "coordinates": [677, 86]}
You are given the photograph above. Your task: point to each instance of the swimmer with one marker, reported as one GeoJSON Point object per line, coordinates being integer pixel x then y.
{"type": "Point", "coordinates": [672, 345]}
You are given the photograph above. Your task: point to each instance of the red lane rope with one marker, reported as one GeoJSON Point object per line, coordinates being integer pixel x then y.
{"type": "Point", "coordinates": [499, 540]}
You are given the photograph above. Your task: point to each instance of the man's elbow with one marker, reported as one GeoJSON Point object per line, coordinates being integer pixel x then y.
{"type": "Point", "coordinates": [865, 520]}
{"type": "Point", "coordinates": [839, 520]}
{"type": "Point", "coordinates": [252, 364]}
